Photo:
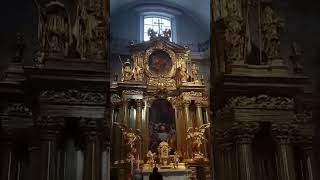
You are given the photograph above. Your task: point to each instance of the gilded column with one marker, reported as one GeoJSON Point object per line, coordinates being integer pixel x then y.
{"type": "Point", "coordinates": [245, 132]}
{"type": "Point", "coordinates": [207, 117]}
{"type": "Point", "coordinates": [281, 133]}
{"type": "Point", "coordinates": [199, 116]}
{"type": "Point", "coordinates": [92, 157]}
{"type": "Point", "coordinates": [49, 128]}
{"type": "Point", "coordinates": [178, 127]}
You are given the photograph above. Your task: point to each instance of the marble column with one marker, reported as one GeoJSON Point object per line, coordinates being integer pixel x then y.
{"type": "Point", "coordinates": [281, 133]}
{"type": "Point", "coordinates": [105, 161]}
{"type": "Point", "coordinates": [139, 114]}
{"type": "Point", "coordinates": [199, 116]}
{"type": "Point", "coordinates": [245, 132]}
{"type": "Point", "coordinates": [126, 119]}
{"type": "Point", "coordinates": [92, 153]}
{"type": "Point", "coordinates": [178, 127]}
{"type": "Point", "coordinates": [6, 157]}
{"type": "Point", "coordinates": [188, 121]}
{"type": "Point", "coordinates": [207, 117]}
{"type": "Point", "coordinates": [49, 128]}
{"type": "Point", "coordinates": [308, 158]}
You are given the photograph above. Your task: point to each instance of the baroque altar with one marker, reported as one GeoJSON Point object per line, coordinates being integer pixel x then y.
{"type": "Point", "coordinates": [162, 97]}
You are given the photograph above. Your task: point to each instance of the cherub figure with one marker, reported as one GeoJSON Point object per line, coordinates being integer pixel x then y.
{"type": "Point", "coordinates": [131, 137]}
{"type": "Point", "coordinates": [196, 136]}
{"type": "Point", "coordinates": [176, 160]}
{"type": "Point", "coordinates": [151, 157]}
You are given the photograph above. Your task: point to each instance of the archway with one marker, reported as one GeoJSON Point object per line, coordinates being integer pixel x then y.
{"type": "Point", "coordinates": [162, 126]}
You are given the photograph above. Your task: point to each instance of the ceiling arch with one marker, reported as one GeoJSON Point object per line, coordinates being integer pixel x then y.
{"type": "Point", "coordinates": [198, 9]}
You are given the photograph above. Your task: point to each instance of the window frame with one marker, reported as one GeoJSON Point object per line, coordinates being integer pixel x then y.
{"type": "Point", "coordinates": [162, 15]}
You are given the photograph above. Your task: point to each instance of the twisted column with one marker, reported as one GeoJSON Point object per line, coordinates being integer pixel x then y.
{"type": "Point", "coordinates": [282, 135]}
{"type": "Point", "coordinates": [245, 132]}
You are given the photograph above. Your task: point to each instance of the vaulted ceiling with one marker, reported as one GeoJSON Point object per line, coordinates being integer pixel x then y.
{"type": "Point", "coordinates": [199, 9]}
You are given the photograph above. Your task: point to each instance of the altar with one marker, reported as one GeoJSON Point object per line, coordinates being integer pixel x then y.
{"type": "Point", "coordinates": [170, 174]}
{"type": "Point", "coordinates": [160, 112]}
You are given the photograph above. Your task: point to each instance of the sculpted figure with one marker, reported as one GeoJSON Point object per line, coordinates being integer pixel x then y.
{"type": "Point", "coordinates": [195, 73]}
{"type": "Point", "coordinates": [271, 37]}
{"type": "Point", "coordinates": [183, 74]}
{"type": "Point", "coordinates": [126, 71]}
{"type": "Point", "coordinates": [138, 73]}
{"type": "Point", "coordinates": [234, 38]}
{"type": "Point", "coordinates": [195, 135]}
{"type": "Point", "coordinates": [296, 57]}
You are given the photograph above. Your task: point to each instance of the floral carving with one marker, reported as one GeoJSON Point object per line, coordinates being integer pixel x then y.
{"type": "Point", "coordinates": [18, 108]}
{"type": "Point", "coordinates": [262, 101]}
{"type": "Point", "coordinates": [132, 92]}
{"type": "Point", "coordinates": [73, 96]}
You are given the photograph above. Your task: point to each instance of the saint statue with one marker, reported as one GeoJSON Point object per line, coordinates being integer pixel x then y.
{"type": "Point", "coordinates": [195, 73]}
{"type": "Point", "coordinates": [234, 38]}
{"type": "Point", "coordinates": [296, 57]}
{"type": "Point", "coordinates": [137, 73]}
{"type": "Point", "coordinates": [271, 36]}
{"type": "Point", "coordinates": [126, 71]}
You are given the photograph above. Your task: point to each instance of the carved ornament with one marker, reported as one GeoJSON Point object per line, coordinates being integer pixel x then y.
{"type": "Point", "coordinates": [302, 117]}
{"type": "Point", "coordinates": [132, 92]}
{"type": "Point", "coordinates": [115, 98]}
{"type": "Point", "coordinates": [162, 82]}
{"type": "Point", "coordinates": [73, 96]}
{"type": "Point", "coordinates": [262, 101]}
{"type": "Point", "coordinates": [17, 108]}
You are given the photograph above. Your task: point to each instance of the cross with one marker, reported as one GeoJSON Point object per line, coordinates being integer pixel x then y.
{"type": "Point", "coordinates": [159, 24]}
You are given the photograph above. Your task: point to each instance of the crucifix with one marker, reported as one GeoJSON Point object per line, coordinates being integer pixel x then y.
{"type": "Point", "coordinates": [159, 25]}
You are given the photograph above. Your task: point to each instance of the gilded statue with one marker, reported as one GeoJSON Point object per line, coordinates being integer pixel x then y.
{"type": "Point", "coordinates": [167, 33]}
{"type": "Point", "coordinates": [126, 71]}
{"type": "Point", "coordinates": [183, 74]}
{"type": "Point", "coordinates": [137, 73]}
{"type": "Point", "coordinates": [196, 136]}
{"type": "Point", "coordinates": [164, 153]}
{"type": "Point", "coordinates": [195, 73]}
{"type": "Point", "coordinates": [271, 26]}
{"type": "Point", "coordinates": [234, 38]}
{"type": "Point", "coordinates": [151, 33]}
{"type": "Point", "coordinates": [176, 160]}
{"type": "Point", "coordinates": [132, 138]}
{"type": "Point", "coordinates": [151, 157]}
{"type": "Point", "coordinates": [296, 57]}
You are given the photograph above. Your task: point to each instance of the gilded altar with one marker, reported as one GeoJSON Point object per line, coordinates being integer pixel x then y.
{"type": "Point", "coordinates": [162, 97]}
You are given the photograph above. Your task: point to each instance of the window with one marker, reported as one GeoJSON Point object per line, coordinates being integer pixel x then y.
{"type": "Point", "coordinates": [157, 23]}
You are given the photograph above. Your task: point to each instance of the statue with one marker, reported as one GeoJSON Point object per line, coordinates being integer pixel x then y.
{"type": "Point", "coordinates": [271, 35]}
{"type": "Point", "coordinates": [53, 29]}
{"type": "Point", "coordinates": [151, 33]}
{"type": "Point", "coordinates": [195, 73]}
{"type": "Point", "coordinates": [232, 8]}
{"type": "Point", "coordinates": [89, 32]}
{"type": "Point", "coordinates": [296, 57]}
{"type": "Point", "coordinates": [126, 71]}
{"type": "Point", "coordinates": [183, 73]}
{"type": "Point", "coordinates": [20, 46]}
{"type": "Point", "coordinates": [167, 33]}
{"type": "Point", "coordinates": [137, 73]}
{"type": "Point", "coordinates": [196, 137]}
{"type": "Point", "coordinates": [164, 153]}
{"type": "Point", "coordinates": [132, 138]}
{"type": "Point", "coordinates": [176, 160]}
{"type": "Point", "coordinates": [151, 157]}
{"type": "Point", "coordinates": [234, 38]}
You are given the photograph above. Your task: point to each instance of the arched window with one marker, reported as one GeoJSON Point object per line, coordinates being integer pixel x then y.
{"type": "Point", "coordinates": [157, 23]}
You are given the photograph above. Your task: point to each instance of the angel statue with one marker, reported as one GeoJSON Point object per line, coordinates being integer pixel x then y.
{"type": "Point", "coordinates": [151, 157]}
{"type": "Point", "coordinates": [151, 33]}
{"type": "Point", "coordinates": [131, 137]}
{"type": "Point", "coordinates": [196, 136]}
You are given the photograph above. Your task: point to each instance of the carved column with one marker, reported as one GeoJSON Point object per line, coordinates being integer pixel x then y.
{"type": "Point", "coordinates": [92, 157]}
{"type": "Point", "coordinates": [281, 133]}
{"type": "Point", "coordinates": [49, 128]}
{"type": "Point", "coordinates": [6, 156]}
{"type": "Point", "coordinates": [199, 120]}
{"type": "Point", "coordinates": [245, 132]}
{"type": "Point", "coordinates": [306, 144]}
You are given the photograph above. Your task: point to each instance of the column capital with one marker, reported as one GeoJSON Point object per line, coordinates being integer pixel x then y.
{"type": "Point", "coordinates": [186, 102]}
{"type": "Point", "coordinates": [49, 127]}
{"type": "Point", "coordinates": [244, 131]}
{"type": "Point", "coordinates": [91, 128]}
{"type": "Point", "coordinates": [282, 132]}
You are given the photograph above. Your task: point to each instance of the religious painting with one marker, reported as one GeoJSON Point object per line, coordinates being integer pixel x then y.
{"type": "Point", "coordinates": [159, 62]}
{"type": "Point", "coordinates": [162, 125]}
